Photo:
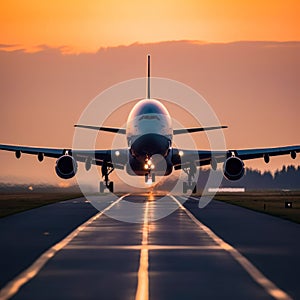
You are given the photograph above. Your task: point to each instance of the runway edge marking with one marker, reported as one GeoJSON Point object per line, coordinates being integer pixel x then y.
{"type": "Point", "coordinates": [258, 277]}
{"type": "Point", "coordinates": [12, 287]}
{"type": "Point", "coordinates": [142, 292]}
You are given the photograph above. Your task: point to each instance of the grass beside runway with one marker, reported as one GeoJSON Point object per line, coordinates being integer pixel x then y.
{"type": "Point", "coordinates": [273, 203]}
{"type": "Point", "coordinates": [11, 203]}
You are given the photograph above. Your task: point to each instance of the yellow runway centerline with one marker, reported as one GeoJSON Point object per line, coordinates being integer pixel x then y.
{"type": "Point", "coordinates": [142, 292]}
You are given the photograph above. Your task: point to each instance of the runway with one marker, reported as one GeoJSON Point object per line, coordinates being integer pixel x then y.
{"type": "Point", "coordinates": [70, 250]}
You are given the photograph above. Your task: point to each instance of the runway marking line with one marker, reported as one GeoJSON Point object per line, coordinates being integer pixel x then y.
{"type": "Point", "coordinates": [140, 247]}
{"type": "Point", "coordinates": [12, 287]}
{"type": "Point", "coordinates": [142, 292]}
{"type": "Point", "coordinates": [258, 277]}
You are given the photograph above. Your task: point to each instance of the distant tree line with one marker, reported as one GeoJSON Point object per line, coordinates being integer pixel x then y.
{"type": "Point", "coordinates": [286, 178]}
{"type": "Point", "coordinates": [36, 188]}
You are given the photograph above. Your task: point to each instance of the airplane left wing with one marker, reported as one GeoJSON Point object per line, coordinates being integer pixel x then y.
{"type": "Point", "coordinates": [203, 157]}
{"type": "Point", "coordinates": [196, 129]}
{"type": "Point", "coordinates": [266, 152]}
{"type": "Point", "coordinates": [182, 158]}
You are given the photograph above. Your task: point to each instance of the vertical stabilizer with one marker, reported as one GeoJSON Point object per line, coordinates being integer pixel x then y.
{"type": "Point", "coordinates": [148, 77]}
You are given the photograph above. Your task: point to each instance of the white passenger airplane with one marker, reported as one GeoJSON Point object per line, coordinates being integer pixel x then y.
{"type": "Point", "coordinates": [149, 132]}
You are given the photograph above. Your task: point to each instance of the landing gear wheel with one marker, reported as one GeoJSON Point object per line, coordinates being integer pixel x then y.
{"type": "Point", "coordinates": [192, 186]}
{"type": "Point", "coordinates": [111, 187]}
{"type": "Point", "coordinates": [146, 178]}
{"type": "Point", "coordinates": [195, 188]}
{"type": "Point", "coordinates": [102, 187]}
{"type": "Point", "coordinates": [184, 187]}
{"type": "Point", "coordinates": [153, 177]}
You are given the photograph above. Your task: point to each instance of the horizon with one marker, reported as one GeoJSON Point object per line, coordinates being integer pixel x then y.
{"type": "Point", "coordinates": [69, 51]}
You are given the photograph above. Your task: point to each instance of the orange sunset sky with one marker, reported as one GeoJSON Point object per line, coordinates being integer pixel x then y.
{"type": "Point", "coordinates": [88, 25]}
{"type": "Point", "coordinates": [56, 56]}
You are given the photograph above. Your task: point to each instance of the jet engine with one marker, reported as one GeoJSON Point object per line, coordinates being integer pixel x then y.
{"type": "Point", "coordinates": [234, 168]}
{"type": "Point", "coordinates": [66, 167]}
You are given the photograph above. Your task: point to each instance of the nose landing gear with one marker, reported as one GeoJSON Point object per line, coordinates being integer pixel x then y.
{"type": "Point", "coordinates": [149, 176]}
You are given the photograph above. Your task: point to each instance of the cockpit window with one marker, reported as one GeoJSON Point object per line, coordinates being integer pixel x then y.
{"type": "Point", "coordinates": [149, 117]}
{"type": "Point", "coordinates": [149, 107]}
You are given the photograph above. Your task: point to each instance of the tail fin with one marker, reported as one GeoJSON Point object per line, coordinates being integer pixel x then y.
{"type": "Point", "coordinates": [148, 77]}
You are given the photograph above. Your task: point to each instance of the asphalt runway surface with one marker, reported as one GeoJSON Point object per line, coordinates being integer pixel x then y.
{"type": "Point", "coordinates": [144, 247]}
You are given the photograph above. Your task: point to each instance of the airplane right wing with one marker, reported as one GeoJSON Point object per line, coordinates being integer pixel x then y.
{"type": "Point", "coordinates": [66, 163]}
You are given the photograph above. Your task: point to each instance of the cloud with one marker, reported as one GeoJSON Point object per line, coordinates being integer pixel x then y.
{"type": "Point", "coordinates": [11, 47]}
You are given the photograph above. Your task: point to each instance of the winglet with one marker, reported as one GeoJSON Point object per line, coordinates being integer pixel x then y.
{"type": "Point", "coordinates": [148, 77]}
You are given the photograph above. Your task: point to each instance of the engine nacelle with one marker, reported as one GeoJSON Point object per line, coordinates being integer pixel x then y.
{"type": "Point", "coordinates": [66, 167]}
{"type": "Point", "coordinates": [234, 168]}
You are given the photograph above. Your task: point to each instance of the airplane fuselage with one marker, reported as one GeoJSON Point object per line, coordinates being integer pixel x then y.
{"type": "Point", "coordinates": [149, 136]}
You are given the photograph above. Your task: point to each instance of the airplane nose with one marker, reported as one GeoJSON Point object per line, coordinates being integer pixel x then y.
{"type": "Point", "coordinates": [150, 144]}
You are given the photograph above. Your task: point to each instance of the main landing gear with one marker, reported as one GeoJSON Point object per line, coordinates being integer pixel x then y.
{"type": "Point", "coordinates": [106, 170]}
{"type": "Point", "coordinates": [190, 184]}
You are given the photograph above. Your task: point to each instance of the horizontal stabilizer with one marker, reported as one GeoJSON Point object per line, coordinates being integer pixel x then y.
{"type": "Point", "coordinates": [196, 129]}
{"type": "Point", "coordinates": [101, 128]}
